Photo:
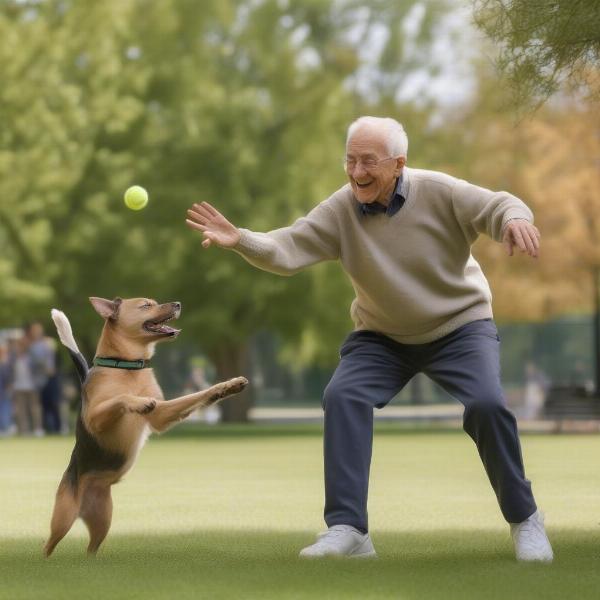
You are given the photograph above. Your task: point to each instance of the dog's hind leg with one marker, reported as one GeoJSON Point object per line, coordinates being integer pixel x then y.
{"type": "Point", "coordinates": [169, 412]}
{"type": "Point", "coordinates": [96, 512]}
{"type": "Point", "coordinates": [66, 509]}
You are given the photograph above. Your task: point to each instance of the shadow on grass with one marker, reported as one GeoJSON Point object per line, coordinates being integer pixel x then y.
{"type": "Point", "coordinates": [265, 430]}
{"type": "Point", "coordinates": [264, 564]}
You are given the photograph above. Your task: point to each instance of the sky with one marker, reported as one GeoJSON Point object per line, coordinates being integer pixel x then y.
{"type": "Point", "coordinates": [447, 76]}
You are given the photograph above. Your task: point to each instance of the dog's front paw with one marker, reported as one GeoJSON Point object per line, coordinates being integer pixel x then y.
{"type": "Point", "coordinates": [143, 406]}
{"type": "Point", "coordinates": [227, 388]}
{"type": "Point", "coordinates": [236, 385]}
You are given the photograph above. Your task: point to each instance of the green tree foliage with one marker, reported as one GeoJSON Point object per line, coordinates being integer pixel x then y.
{"type": "Point", "coordinates": [541, 42]}
{"type": "Point", "coordinates": [241, 103]}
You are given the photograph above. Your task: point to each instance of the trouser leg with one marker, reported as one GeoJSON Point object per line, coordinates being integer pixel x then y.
{"type": "Point", "coordinates": [50, 397]}
{"type": "Point", "coordinates": [46, 410]}
{"type": "Point", "coordinates": [466, 364]}
{"type": "Point", "coordinates": [371, 372]}
{"type": "Point", "coordinates": [21, 413]}
{"type": "Point", "coordinates": [35, 408]}
{"type": "Point", "coordinates": [53, 423]}
{"type": "Point", "coordinates": [5, 413]}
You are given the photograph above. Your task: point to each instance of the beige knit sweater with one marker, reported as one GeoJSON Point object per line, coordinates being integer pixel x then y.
{"type": "Point", "coordinates": [413, 273]}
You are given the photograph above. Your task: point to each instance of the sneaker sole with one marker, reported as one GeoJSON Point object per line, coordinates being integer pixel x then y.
{"type": "Point", "coordinates": [359, 552]}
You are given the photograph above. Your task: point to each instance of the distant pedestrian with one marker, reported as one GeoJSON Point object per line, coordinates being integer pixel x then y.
{"type": "Point", "coordinates": [43, 364]}
{"type": "Point", "coordinates": [536, 386]}
{"type": "Point", "coordinates": [51, 393]}
{"type": "Point", "coordinates": [198, 381]}
{"type": "Point", "coordinates": [6, 423]}
{"type": "Point", "coordinates": [25, 392]}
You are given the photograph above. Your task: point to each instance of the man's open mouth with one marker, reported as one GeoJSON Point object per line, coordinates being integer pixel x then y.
{"type": "Point", "coordinates": [362, 185]}
{"type": "Point", "coordinates": [160, 327]}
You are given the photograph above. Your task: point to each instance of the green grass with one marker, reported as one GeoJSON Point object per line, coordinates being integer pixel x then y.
{"type": "Point", "coordinates": [222, 513]}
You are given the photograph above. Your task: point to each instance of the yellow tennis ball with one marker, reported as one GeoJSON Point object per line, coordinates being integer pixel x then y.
{"type": "Point", "coordinates": [136, 197]}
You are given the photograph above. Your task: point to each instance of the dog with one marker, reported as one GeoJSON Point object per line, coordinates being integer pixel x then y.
{"type": "Point", "coordinates": [122, 403]}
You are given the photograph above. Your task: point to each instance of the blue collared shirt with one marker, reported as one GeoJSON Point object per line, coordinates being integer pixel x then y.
{"type": "Point", "coordinates": [396, 202]}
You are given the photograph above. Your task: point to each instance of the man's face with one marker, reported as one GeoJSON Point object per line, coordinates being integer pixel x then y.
{"type": "Point", "coordinates": [371, 183]}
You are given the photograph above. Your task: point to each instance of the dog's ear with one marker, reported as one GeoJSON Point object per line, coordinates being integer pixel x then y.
{"type": "Point", "coordinates": [107, 309]}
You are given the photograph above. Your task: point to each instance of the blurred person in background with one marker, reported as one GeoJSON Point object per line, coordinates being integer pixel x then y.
{"type": "Point", "coordinates": [25, 391]}
{"type": "Point", "coordinates": [43, 365]}
{"type": "Point", "coordinates": [198, 381]}
{"type": "Point", "coordinates": [51, 394]}
{"type": "Point", "coordinates": [6, 421]}
{"type": "Point", "coordinates": [536, 387]}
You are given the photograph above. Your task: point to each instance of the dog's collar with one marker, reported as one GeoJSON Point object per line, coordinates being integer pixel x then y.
{"type": "Point", "coordinates": [121, 363]}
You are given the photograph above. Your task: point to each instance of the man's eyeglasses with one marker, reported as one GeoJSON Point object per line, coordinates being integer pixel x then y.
{"type": "Point", "coordinates": [369, 164]}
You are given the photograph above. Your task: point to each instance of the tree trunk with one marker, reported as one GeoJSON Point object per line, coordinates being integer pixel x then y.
{"type": "Point", "coordinates": [232, 361]}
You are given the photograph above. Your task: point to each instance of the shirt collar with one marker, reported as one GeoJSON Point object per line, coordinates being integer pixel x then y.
{"type": "Point", "coordinates": [397, 199]}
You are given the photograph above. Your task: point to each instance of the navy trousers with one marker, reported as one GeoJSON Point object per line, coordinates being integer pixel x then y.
{"type": "Point", "coordinates": [374, 368]}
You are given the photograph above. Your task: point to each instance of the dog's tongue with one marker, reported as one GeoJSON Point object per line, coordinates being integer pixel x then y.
{"type": "Point", "coordinates": [167, 329]}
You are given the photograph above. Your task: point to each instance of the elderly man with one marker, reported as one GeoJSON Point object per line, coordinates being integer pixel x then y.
{"type": "Point", "coordinates": [422, 304]}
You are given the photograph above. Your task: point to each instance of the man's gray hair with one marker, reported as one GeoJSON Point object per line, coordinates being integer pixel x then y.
{"type": "Point", "coordinates": [397, 140]}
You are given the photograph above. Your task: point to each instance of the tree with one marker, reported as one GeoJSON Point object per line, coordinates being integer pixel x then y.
{"type": "Point", "coordinates": [551, 161]}
{"type": "Point", "coordinates": [61, 107]}
{"type": "Point", "coordinates": [541, 42]}
{"type": "Point", "coordinates": [242, 103]}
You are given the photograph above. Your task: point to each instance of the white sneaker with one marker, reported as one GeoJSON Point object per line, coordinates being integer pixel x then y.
{"type": "Point", "coordinates": [341, 540]}
{"type": "Point", "coordinates": [530, 539]}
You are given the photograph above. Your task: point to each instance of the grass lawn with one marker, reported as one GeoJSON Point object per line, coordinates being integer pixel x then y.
{"type": "Point", "coordinates": [222, 513]}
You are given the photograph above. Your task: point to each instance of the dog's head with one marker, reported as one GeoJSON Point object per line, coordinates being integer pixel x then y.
{"type": "Point", "coordinates": [139, 319]}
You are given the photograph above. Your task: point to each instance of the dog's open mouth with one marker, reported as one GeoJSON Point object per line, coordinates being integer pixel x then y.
{"type": "Point", "coordinates": [160, 327]}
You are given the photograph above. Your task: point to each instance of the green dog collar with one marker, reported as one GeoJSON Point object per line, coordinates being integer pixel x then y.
{"type": "Point", "coordinates": [120, 363]}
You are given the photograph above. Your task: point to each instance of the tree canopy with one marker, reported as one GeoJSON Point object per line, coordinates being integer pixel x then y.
{"type": "Point", "coordinates": [241, 103]}
{"type": "Point", "coordinates": [245, 104]}
{"type": "Point", "coordinates": [542, 42]}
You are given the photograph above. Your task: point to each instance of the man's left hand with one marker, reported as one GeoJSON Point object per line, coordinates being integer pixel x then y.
{"type": "Point", "coordinates": [522, 234]}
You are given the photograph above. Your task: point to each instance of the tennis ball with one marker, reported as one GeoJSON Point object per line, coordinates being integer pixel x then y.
{"type": "Point", "coordinates": [136, 197]}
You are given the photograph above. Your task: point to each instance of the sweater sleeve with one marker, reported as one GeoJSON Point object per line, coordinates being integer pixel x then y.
{"type": "Point", "coordinates": [486, 211]}
{"type": "Point", "coordinates": [309, 240]}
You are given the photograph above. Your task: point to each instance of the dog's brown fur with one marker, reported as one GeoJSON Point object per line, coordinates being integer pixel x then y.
{"type": "Point", "coordinates": [120, 409]}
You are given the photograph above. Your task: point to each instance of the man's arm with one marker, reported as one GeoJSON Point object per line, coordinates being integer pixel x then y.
{"type": "Point", "coordinates": [502, 216]}
{"type": "Point", "coordinates": [311, 239]}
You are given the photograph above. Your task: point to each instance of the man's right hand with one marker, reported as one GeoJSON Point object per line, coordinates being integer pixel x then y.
{"type": "Point", "coordinates": [215, 228]}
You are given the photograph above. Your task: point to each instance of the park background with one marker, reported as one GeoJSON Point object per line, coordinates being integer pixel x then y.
{"type": "Point", "coordinates": [245, 104]}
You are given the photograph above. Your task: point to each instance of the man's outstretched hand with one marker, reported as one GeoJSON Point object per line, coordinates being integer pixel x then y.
{"type": "Point", "coordinates": [215, 228]}
{"type": "Point", "coordinates": [523, 235]}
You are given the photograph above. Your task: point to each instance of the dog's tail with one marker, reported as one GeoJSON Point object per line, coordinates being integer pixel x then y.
{"type": "Point", "coordinates": [65, 333]}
